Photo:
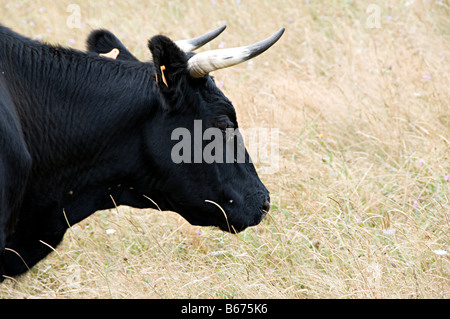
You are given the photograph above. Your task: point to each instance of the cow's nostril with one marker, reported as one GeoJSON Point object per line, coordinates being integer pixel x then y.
{"type": "Point", "coordinates": [266, 206]}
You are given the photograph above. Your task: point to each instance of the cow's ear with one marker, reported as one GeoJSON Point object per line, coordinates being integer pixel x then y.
{"type": "Point", "coordinates": [170, 64]}
{"type": "Point", "coordinates": [103, 41]}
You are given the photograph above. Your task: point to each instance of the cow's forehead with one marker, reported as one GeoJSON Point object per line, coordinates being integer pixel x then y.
{"type": "Point", "coordinates": [216, 102]}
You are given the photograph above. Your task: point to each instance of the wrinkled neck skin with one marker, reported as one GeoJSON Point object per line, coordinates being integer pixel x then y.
{"type": "Point", "coordinates": [85, 139]}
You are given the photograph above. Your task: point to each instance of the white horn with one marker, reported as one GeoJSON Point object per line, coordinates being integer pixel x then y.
{"type": "Point", "coordinates": [195, 43]}
{"type": "Point", "coordinates": [206, 62]}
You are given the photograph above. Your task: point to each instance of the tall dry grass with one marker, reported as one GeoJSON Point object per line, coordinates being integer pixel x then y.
{"type": "Point", "coordinates": [360, 204]}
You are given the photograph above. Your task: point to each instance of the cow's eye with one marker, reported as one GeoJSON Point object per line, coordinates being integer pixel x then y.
{"type": "Point", "coordinates": [223, 123]}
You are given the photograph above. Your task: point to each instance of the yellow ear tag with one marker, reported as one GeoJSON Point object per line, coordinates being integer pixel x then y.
{"type": "Point", "coordinates": [111, 54]}
{"type": "Point", "coordinates": [163, 67]}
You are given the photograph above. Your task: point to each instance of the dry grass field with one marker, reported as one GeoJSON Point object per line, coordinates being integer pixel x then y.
{"type": "Point", "coordinates": [360, 94]}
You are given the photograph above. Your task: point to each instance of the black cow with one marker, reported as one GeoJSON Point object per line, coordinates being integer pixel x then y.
{"type": "Point", "coordinates": [81, 133]}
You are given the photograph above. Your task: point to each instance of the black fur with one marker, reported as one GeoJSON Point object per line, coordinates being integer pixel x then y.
{"type": "Point", "coordinates": [77, 129]}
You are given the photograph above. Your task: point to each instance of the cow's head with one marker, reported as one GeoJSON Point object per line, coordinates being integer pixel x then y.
{"type": "Point", "coordinates": [200, 168]}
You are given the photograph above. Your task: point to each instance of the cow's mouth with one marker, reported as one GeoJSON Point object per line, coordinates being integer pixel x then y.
{"type": "Point", "coordinates": [213, 215]}
{"type": "Point", "coordinates": [247, 220]}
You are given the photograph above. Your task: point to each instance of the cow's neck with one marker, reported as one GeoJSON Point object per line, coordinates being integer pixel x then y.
{"type": "Point", "coordinates": [77, 111]}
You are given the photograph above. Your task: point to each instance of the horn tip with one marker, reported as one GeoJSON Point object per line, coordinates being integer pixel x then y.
{"type": "Point", "coordinates": [281, 31]}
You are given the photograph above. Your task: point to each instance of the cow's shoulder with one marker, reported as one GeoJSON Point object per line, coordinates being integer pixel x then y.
{"type": "Point", "coordinates": [15, 163]}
